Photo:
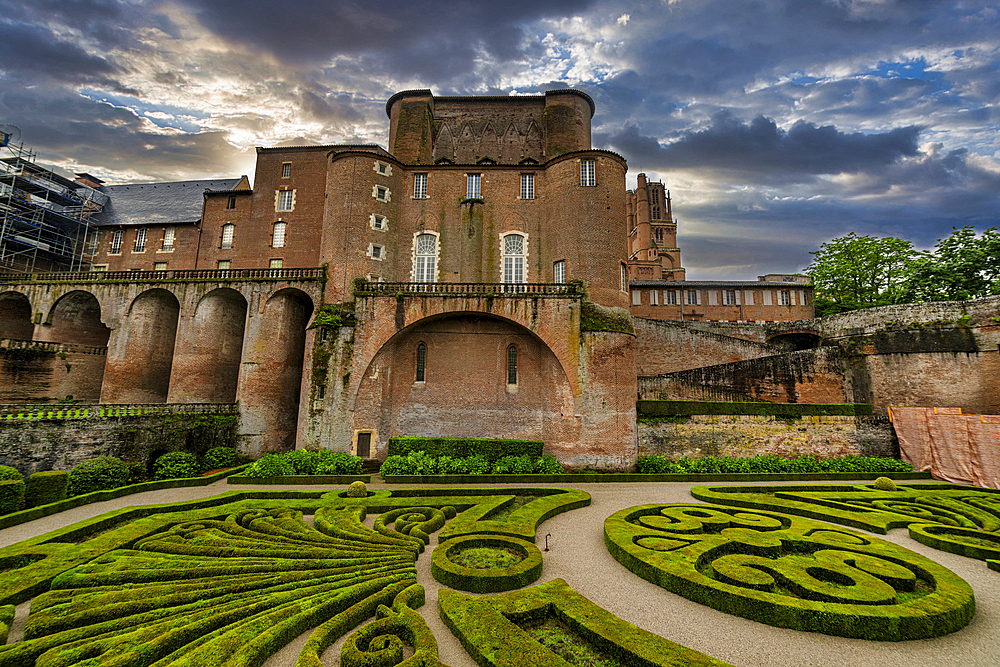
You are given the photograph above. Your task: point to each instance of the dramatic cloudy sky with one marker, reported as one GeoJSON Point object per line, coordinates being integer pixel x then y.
{"type": "Point", "coordinates": [776, 124]}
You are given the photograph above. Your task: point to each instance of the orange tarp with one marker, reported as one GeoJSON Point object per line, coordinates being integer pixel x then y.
{"type": "Point", "coordinates": [964, 449]}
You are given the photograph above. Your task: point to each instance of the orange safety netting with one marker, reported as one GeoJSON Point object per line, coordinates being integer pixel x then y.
{"type": "Point", "coordinates": [964, 449]}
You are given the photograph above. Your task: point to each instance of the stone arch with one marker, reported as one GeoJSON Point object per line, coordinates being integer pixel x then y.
{"type": "Point", "coordinates": [510, 146]}
{"type": "Point", "coordinates": [533, 142]}
{"type": "Point", "coordinates": [138, 367]}
{"type": "Point", "coordinates": [209, 349]}
{"type": "Point", "coordinates": [465, 152]}
{"type": "Point", "coordinates": [271, 383]}
{"type": "Point", "coordinates": [465, 391]}
{"type": "Point", "coordinates": [75, 318]}
{"type": "Point", "coordinates": [489, 144]}
{"type": "Point", "coordinates": [444, 145]}
{"type": "Point", "coordinates": [15, 316]}
{"type": "Point", "coordinates": [791, 341]}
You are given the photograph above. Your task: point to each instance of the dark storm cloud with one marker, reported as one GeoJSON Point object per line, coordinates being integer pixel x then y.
{"type": "Point", "coordinates": [761, 147]}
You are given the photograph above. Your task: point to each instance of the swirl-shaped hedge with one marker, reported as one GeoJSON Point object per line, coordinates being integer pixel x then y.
{"type": "Point", "coordinates": [486, 580]}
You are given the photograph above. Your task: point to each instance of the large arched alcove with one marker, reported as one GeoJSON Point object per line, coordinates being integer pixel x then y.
{"type": "Point", "coordinates": [272, 377]}
{"type": "Point", "coordinates": [15, 316]}
{"type": "Point", "coordinates": [208, 350]}
{"type": "Point", "coordinates": [75, 318]}
{"type": "Point", "coordinates": [138, 371]}
{"type": "Point", "coordinates": [465, 389]}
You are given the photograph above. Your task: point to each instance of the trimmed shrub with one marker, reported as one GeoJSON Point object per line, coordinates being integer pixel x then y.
{"type": "Point", "coordinates": [884, 484]}
{"type": "Point", "coordinates": [11, 495]}
{"type": "Point", "coordinates": [6, 472]}
{"type": "Point", "coordinates": [6, 620]}
{"type": "Point", "coordinates": [302, 461]}
{"type": "Point", "coordinates": [137, 473]}
{"type": "Point", "coordinates": [656, 409]}
{"type": "Point", "coordinates": [176, 465]}
{"type": "Point", "coordinates": [713, 465]}
{"type": "Point", "coordinates": [102, 473]}
{"type": "Point", "coordinates": [270, 465]}
{"type": "Point", "coordinates": [491, 448]}
{"type": "Point", "coordinates": [329, 462]}
{"type": "Point", "coordinates": [221, 457]}
{"type": "Point", "coordinates": [46, 487]}
{"type": "Point", "coordinates": [487, 580]}
{"type": "Point", "coordinates": [548, 465]}
{"type": "Point", "coordinates": [514, 465]}
{"type": "Point", "coordinates": [357, 490]}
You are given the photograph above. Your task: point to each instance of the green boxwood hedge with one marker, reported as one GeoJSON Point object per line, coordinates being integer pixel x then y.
{"type": "Point", "coordinates": [654, 409]}
{"type": "Point", "coordinates": [11, 495]}
{"type": "Point", "coordinates": [490, 448]}
{"type": "Point", "coordinates": [305, 462]}
{"type": "Point", "coordinates": [489, 629]}
{"type": "Point", "coordinates": [100, 474]}
{"type": "Point", "coordinates": [492, 580]}
{"type": "Point", "coordinates": [176, 465]}
{"type": "Point", "coordinates": [421, 463]}
{"type": "Point", "coordinates": [218, 458]}
{"type": "Point", "coordinates": [7, 472]}
{"type": "Point", "coordinates": [769, 464]}
{"type": "Point", "coordinates": [46, 487]}
{"type": "Point", "coordinates": [6, 620]}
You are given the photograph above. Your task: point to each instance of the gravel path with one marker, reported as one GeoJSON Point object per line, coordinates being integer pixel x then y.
{"type": "Point", "coordinates": [577, 554]}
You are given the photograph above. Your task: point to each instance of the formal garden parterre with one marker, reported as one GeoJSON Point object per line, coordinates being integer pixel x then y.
{"type": "Point", "coordinates": [230, 579]}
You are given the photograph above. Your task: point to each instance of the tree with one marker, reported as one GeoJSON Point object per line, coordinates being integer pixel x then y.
{"type": "Point", "coordinates": [854, 272]}
{"type": "Point", "coordinates": [961, 266]}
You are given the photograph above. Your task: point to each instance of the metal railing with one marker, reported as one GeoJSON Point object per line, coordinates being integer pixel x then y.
{"type": "Point", "coordinates": [473, 289]}
{"type": "Point", "coordinates": [194, 275]}
{"type": "Point", "coordinates": [111, 410]}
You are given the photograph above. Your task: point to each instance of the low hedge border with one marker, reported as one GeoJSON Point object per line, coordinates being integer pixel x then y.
{"type": "Point", "coordinates": [601, 477]}
{"type": "Point", "coordinates": [6, 620]}
{"type": "Point", "coordinates": [46, 487]}
{"type": "Point", "coordinates": [491, 448]}
{"type": "Point", "coordinates": [11, 495]}
{"type": "Point", "coordinates": [24, 516]}
{"type": "Point", "coordinates": [993, 565]}
{"type": "Point", "coordinates": [653, 409]}
{"type": "Point", "coordinates": [696, 551]}
{"type": "Point", "coordinates": [487, 628]}
{"type": "Point", "coordinates": [299, 480]}
{"type": "Point", "coordinates": [950, 539]}
{"type": "Point", "coordinates": [492, 580]}
{"type": "Point", "coordinates": [380, 643]}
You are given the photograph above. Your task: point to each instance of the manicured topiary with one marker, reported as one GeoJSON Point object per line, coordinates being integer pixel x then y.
{"type": "Point", "coordinates": [11, 495]}
{"type": "Point", "coordinates": [329, 462]}
{"type": "Point", "coordinates": [357, 490]}
{"type": "Point", "coordinates": [548, 465]}
{"type": "Point", "coordinates": [137, 473]}
{"type": "Point", "coordinates": [6, 620]}
{"type": "Point", "coordinates": [790, 572]}
{"type": "Point", "coordinates": [221, 457]}
{"type": "Point", "coordinates": [884, 484]}
{"type": "Point", "coordinates": [713, 465]}
{"type": "Point", "coordinates": [6, 472]}
{"type": "Point", "coordinates": [46, 487]}
{"type": "Point", "coordinates": [270, 465]}
{"type": "Point", "coordinates": [486, 580]}
{"type": "Point", "coordinates": [104, 472]}
{"type": "Point", "coordinates": [176, 465]}
{"type": "Point", "coordinates": [492, 629]}
{"type": "Point", "coordinates": [514, 465]}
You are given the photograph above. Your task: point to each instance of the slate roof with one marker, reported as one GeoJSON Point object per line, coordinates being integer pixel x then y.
{"type": "Point", "coordinates": [157, 203]}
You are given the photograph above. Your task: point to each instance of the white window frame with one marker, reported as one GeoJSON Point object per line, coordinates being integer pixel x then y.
{"type": "Point", "coordinates": [374, 278]}
{"type": "Point", "coordinates": [420, 186]}
{"type": "Point", "coordinates": [670, 297]}
{"type": "Point", "coordinates": [376, 251]}
{"type": "Point", "coordinates": [276, 263]}
{"type": "Point", "coordinates": [224, 264]}
{"type": "Point", "coordinates": [284, 200]}
{"type": "Point", "coordinates": [381, 193]}
{"type": "Point", "coordinates": [692, 297]}
{"type": "Point", "coordinates": [559, 272]}
{"type": "Point", "coordinates": [768, 297]}
{"type": "Point", "coordinates": [527, 186]}
{"type": "Point", "coordinates": [379, 223]}
{"type": "Point", "coordinates": [116, 242]}
{"type": "Point", "coordinates": [415, 271]}
{"type": "Point", "coordinates": [382, 168]}
{"type": "Point", "coordinates": [140, 241]}
{"type": "Point", "coordinates": [588, 173]}
{"type": "Point", "coordinates": [228, 236]}
{"type": "Point", "coordinates": [636, 297]}
{"type": "Point", "coordinates": [784, 297]}
{"type": "Point", "coordinates": [279, 234]}
{"type": "Point", "coordinates": [624, 277]}
{"type": "Point", "coordinates": [729, 297]}
{"type": "Point", "coordinates": [159, 266]}
{"type": "Point", "coordinates": [473, 186]}
{"type": "Point", "coordinates": [286, 169]}
{"type": "Point", "coordinates": [169, 236]}
{"type": "Point", "coordinates": [99, 268]}
{"type": "Point", "coordinates": [654, 297]}
{"type": "Point", "coordinates": [510, 269]}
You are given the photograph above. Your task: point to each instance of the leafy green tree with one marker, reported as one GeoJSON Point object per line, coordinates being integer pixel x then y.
{"type": "Point", "coordinates": [962, 266]}
{"type": "Point", "coordinates": [852, 272]}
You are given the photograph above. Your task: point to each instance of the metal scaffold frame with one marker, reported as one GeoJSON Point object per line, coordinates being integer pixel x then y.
{"type": "Point", "coordinates": [44, 217]}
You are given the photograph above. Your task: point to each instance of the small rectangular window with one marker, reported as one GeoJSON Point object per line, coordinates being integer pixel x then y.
{"type": "Point", "coordinates": [278, 237]}
{"type": "Point", "coordinates": [636, 298]}
{"type": "Point", "coordinates": [376, 251]}
{"type": "Point", "coordinates": [378, 222]}
{"type": "Point", "coordinates": [276, 264]}
{"type": "Point", "coordinates": [140, 241]}
{"type": "Point", "coordinates": [785, 298]}
{"type": "Point", "coordinates": [231, 204]}
{"type": "Point", "coordinates": [381, 193]}
{"type": "Point", "coordinates": [472, 186]}
{"type": "Point", "coordinates": [321, 391]}
{"type": "Point", "coordinates": [624, 278]}
{"type": "Point", "coordinates": [99, 267]}
{"type": "Point", "coordinates": [168, 238]}
{"type": "Point", "coordinates": [286, 169]}
{"type": "Point", "coordinates": [228, 232]}
{"type": "Point", "coordinates": [559, 271]}
{"type": "Point", "coordinates": [527, 186]}
{"type": "Point", "coordinates": [588, 172]}
{"type": "Point", "coordinates": [383, 168]}
{"type": "Point", "coordinates": [511, 365]}
{"type": "Point", "coordinates": [421, 361]}
{"type": "Point", "coordinates": [670, 298]}
{"type": "Point", "coordinates": [691, 297]}
{"type": "Point", "coordinates": [160, 266]}
{"type": "Point", "coordinates": [420, 186]}
{"type": "Point", "coordinates": [654, 298]}
{"type": "Point", "coordinates": [116, 242]}
{"type": "Point", "coordinates": [224, 263]}
{"type": "Point", "coordinates": [730, 298]}
{"type": "Point", "coordinates": [286, 200]}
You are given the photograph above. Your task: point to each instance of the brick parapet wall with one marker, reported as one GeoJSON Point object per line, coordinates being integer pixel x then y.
{"type": "Point", "coordinates": [667, 347]}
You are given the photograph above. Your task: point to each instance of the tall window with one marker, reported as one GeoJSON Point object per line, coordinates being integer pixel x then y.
{"type": "Point", "coordinates": [511, 365]}
{"type": "Point", "coordinates": [421, 361]}
{"type": "Point", "coordinates": [559, 271]}
{"type": "Point", "coordinates": [624, 278]}
{"type": "Point", "coordinates": [527, 186]}
{"type": "Point", "coordinates": [140, 241]}
{"type": "Point", "coordinates": [472, 189]}
{"type": "Point", "coordinates": [654, 200]}
{"type": "Point", "coordinates": [785, 298]}
{"type": "Point", "coordinates": [286, 169]}
{"type": "Point", "coordinates": [691, 297]}
{"type": "Point", "coordinates": [420, 186]}
{"type": "Point", "coordinates": [116, 242]}
{"type": "Point", "coordinates": [729, 298]}
{"type": "Point", "coordinates": [513, 258]}
{"type": "Point", "coordinates": [587, 172]}
{"type": "Point", "coordinates": [232, 202]}
{"type": "Point", "coordinates": [168, 238]}
{"type": "Point", "coordinates": [286, 199]}
{"type": "Point", "coordinates": [425, 259]}
{"type": "Point", "coordinates": [670, 298]}
{"type": "Point", "coordinates": [278, 238]}
{"type": "Point", "coordinates": [228, 231]}
{"type": "Point", "coordinates": [92, 242]}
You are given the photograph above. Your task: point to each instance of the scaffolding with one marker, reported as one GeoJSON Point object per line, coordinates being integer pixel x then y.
{"type": "Point", "coordinates": [44, 217]}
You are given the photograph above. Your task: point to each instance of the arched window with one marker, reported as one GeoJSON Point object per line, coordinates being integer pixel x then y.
{"type": "Point", "coordinates": [511, 365]}
{"type": "Point", "coordinates": [421, 361]}
{"type": "Point", "coordinates": [425, 258]}
{"type": "Point", "coordinates": [513, 258]}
